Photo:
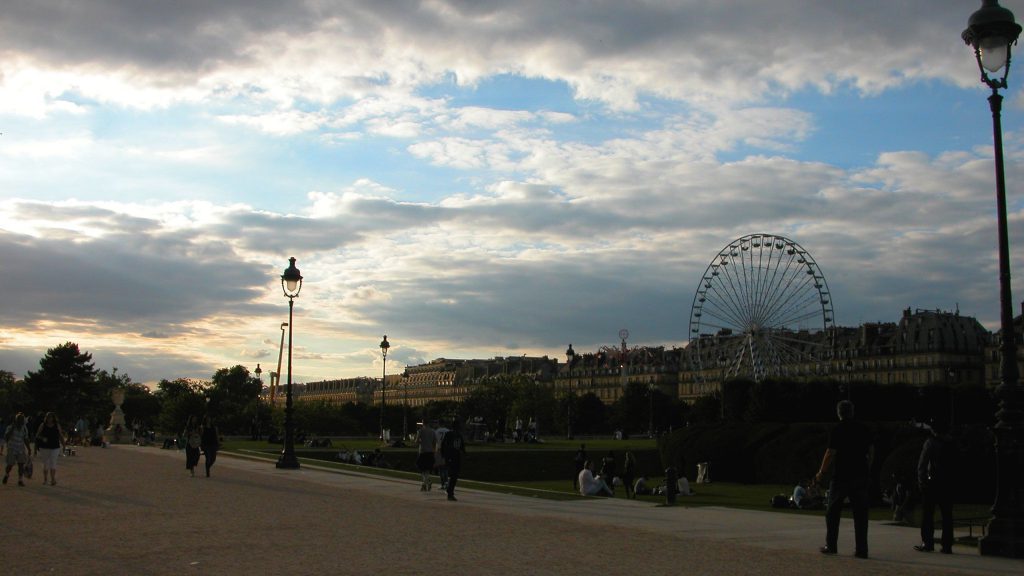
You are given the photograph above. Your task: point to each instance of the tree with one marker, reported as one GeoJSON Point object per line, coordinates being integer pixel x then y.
{"type": "Point", "coordinates": [179, 400]}
{"type": "Point", "coordinates": [631, 413]}
{"type": "Point", "coordinates": [64, 382]}
{"type": "Point", "coordinates": [534, 400]}
{"type": "Point", "coordinates": [492, 400]}
{"type": "Point", "coordinates": [590, 415]}
{"type": "Point", "coordinates": [232, 397]}
{"type": "Point", "coordinates": [13, 396]}
{"type": "Point", "coordinates": [706, 410]}
{"type": "Point", "coordinates": [141, 405]}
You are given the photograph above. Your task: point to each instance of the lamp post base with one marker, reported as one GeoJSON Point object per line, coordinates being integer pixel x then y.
{"type": "Point", "coordinates": [288, 461]}
{"type": "Point", "coordinates": [1005, 537]}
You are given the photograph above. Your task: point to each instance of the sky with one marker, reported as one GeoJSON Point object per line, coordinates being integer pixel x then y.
{"type": "Point", "coordinates": [476, 178]}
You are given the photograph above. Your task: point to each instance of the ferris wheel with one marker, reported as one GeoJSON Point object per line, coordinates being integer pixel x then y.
{"type": "Point", "coordinates": [762, 309]}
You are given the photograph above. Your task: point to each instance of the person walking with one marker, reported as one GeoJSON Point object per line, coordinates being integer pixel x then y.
{"type": "Point", "coordinates": [628, 474]}
{"type": "Point", "coordinates": [439, 461]}
{"type": "Point", "coordinates": [18, 449]}
{"type": "Point", "coordinates": [193, 439]}
{"type": "Point", "coordinates": [453, 446]}
{"type": "Point", "coordinates": [934, 471]}
{"type": "Point", "coordinates": [849, 454]}
{"type": "Point", "coordinates": [425, 459]}
{"type": "Point", "coordinates": [209, 442]}
{"type": "Point", "coordinates": [49, 443]}
{"type": "Point", "coordinates": [578, 461]}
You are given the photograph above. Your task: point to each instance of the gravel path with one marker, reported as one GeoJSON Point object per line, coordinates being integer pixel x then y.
{"type": "Point", "coordinates": [129, 510]}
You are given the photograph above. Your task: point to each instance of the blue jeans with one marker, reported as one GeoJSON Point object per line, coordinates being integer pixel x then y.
{"type": "Point", "coordinates": [857, 491]}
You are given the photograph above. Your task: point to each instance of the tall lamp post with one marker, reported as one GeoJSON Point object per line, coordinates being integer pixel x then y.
{"type": "Point", "coordinates": [991, 31]}
{"type": "Point", "coordinates": [570, 359]}
{"type": "Point", "coordinates": [383, 383]}
{"type": "Point", "coordinates": [256, 420]}
{"type": "Point", "coordinates": [291, 284]}
{"type": "Point", "coordinates": [280, 352]}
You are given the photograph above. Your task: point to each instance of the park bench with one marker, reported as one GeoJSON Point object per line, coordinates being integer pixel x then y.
{"type": "Point", "coordinates": [972, 522]}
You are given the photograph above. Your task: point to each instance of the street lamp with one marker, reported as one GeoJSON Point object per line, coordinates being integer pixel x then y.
{"type": "Point", "coordinates": [383, 382]}
{"type": "Point", "coordinates": [256, 420]}
{"type": "Point", "coordinates": [280, 352]}
{"type": "Point", "coordinates": [291, 284]}
{"type": "Point", "coordinates": [991, 32]}
{"type": "Point", "coordinates": [650, 402]}
{"type": "Point", "coordinates": [570, 359]}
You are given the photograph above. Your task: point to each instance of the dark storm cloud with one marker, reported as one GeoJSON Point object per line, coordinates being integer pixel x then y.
{"type": "Point", "coordinates": [605, 50]}
{"type": "Point", "coordinates": [172, 37]}
{"type": "Point", "coordinates": [129, 282]}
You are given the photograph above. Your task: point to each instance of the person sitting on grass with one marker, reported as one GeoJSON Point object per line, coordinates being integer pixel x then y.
{"type": "Point", "coordinates": [640, 488]}
{"type": "Point", "coordinates": [591, 485]}
{"type": "Point", "coordinates": [806, 498]}
{"type": "Point", "coordinates": [683, 485]}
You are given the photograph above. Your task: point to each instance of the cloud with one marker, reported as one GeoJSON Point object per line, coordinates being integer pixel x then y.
{"type": "Point", "coordinates": [159, 165]}
{"type": "Point", "coordinates": [288, 53]}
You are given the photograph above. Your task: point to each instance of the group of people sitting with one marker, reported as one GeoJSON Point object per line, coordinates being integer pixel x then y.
{"type": "Point", "coordinates": [596, 485]}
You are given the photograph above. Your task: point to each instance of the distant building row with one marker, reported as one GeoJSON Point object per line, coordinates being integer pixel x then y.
{"type": "Point", "coordinates": [925, 347]}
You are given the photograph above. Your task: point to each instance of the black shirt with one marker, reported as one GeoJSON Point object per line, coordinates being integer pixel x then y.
{"type": "Point", "coordinates": [851, 441]}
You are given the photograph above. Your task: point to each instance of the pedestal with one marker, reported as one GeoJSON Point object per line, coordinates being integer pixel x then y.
{"type": "Point", "coordinates": [117, 432]}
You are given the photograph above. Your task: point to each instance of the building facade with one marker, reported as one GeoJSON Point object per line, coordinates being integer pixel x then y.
{"type": "Point", "coordinates": [925, 347]}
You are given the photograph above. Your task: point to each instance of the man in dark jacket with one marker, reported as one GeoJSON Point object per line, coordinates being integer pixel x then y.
{"type": "Point", "coordinates": [849, 452]}
{"type": "Point", "coordinates": [934, 468]}
{"type": "Point", "coordinates": [453, 446]}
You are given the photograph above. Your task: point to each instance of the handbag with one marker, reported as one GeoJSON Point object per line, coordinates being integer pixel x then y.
{"type": "Point", "coordinates": [27, 469]}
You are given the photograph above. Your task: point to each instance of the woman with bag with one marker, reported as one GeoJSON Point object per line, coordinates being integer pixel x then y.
{"type": "Point", "coordinates": [193, 439]}
{"type": "Point", "coordinates": [49, 443]}
{"type": "Point", "coordinates": [18, 448]}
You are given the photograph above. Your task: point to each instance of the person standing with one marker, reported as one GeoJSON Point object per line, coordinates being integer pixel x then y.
{"type": "Point", "coordinates": [209, 442]}
{"type": "Point", "coordinates": [934, 468]}
{"type": "Point", "coordinates": [453, 446]}
{"type": "Point", "coordinates": [82, 431]}
{"type": "Point", "coordinates": [18, 448]}
{"type": "Point", "coordinates": [628, 474]}
{"type": "Point", "coordinates": [578, 462]}
{"type": "Point", "coordinates": [49, 443]}
{"type": "Point", "coordinates": [849, 454]}
{"type": "Point", "coordinates": [193, 439]}
{"type": "Point", "coordinates": [608, 469]}
{"type": "Point", "coordinates": [425, 459]}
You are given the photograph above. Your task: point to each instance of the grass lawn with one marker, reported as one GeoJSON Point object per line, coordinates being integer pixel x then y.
{"type": "Point", "coordinates": [725, 494]}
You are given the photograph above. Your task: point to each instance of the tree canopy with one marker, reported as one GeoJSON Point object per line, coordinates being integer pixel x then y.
{"type": "Point", "coordinates": [65, 383]}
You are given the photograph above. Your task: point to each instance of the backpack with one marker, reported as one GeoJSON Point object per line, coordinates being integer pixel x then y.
{"type": "Point", "coordinates": [451, 445]}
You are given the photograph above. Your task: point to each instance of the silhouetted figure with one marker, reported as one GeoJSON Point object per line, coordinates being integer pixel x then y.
{"type": "Point", "coordinates": [628, 474]}
{"type": "Point", "coordinates": [849, 454]}
{"type": "Point", "coordinates": [608, 469]}
{"type": "Point", "coordinates": [934, 471]}
{"type": "Point", "coordinates": [193, 439]}
{"type": "Point", "coordinates": [210, 443]}
{"type": "Point", "coordinates": [453, 446]}
{"type": "Point", "coordinates": [578, 461]}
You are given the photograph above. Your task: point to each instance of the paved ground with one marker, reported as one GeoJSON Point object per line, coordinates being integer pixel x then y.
{"type": "Point", "coordinates": [129, 510]}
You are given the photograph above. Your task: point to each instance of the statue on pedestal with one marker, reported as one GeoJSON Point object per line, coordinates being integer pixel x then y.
{"type": "Point", "coordinates": [117, 431]}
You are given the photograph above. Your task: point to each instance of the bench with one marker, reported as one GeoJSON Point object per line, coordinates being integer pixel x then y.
{"type": "Point", "coordinates": [971, 523]}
